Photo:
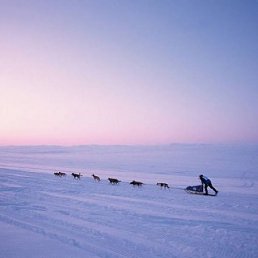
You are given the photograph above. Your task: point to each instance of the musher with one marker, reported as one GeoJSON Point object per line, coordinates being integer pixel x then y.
{"type": "Point", "coordinates": [206, 182]}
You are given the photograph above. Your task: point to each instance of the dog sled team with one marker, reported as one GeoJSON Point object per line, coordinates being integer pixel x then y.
{"type": "Point", "coordinates": [113, 181]}
{"type": "Point", "coordinates": [198, 189]}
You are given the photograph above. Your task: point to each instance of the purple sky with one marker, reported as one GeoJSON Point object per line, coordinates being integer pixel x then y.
{"type": "Point", "coordinates": [128, 72]}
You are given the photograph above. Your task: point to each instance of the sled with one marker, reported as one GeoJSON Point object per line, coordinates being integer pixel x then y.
{"type": "Point", "coordinates": [197, 189]}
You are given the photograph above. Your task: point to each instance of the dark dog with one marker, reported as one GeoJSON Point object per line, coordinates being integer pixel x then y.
{"type": "Point", "coordinates": [134, 183]}
{"type": "Point", "coordinates": [76, 176]}
{"type": "Point", "coordinates": [165, 185]}
{"type": "Point", "coordinates": [60, 174]}
{"type": "Point", "coordinates": [113, 180]}
{"type": "Point", "coordinates": [96, 178]}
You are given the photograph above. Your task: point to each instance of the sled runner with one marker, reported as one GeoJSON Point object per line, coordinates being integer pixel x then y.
{"type": "Point", "coordinates": [196, 189]}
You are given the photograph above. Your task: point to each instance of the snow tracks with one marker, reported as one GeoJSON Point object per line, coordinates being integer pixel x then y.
{"type": "Point", "coordinates": [45, 216]}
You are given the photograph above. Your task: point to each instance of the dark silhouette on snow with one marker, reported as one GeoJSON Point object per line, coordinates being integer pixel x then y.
{"type": "Point", "coordinates": [206, 182]}
{"type": "Point", "coordinates": [60, 174]}
{"type": "Point", "coordinates": [113, 180]}
{"type": "Point", "coordinates": [96, 178]}
{"type": "Point", "coordinates": [164, 185]}
{"type": "Point", "coordinates": [76, 176]}
{"type": "Point", "coordinates": [134, 183]}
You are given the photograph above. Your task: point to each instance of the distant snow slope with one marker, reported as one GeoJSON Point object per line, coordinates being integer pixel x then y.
{"type": "Point", "coordinates": [177, 159]}
{"type": "Point", "coordinates": [42, 215]}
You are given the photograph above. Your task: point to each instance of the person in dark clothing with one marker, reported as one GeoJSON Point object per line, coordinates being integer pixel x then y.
{"type": "Point", "coordinates": [206, 182]}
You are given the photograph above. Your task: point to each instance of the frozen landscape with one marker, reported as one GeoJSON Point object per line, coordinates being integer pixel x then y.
{"type": "Point", "coordinates": [113, 89]}
{"type": "Point", "coordinates": [45, 216]}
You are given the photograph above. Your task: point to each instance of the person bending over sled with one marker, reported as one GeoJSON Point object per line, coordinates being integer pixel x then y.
{"type": "Point", "coordinates": [206, 182]}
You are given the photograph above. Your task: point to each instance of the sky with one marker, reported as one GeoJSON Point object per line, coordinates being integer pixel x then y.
{"type": "Point", "coordinates": [128, 72]}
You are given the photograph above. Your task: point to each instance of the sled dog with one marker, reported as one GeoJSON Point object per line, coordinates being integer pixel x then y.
{"type": "Point", "coordinates": [165, 185]}
{"type": "Point", "coordinates": [113, 180]}
{"type": "Point", "coordinates": [136, 183]}
{"type": "Point", "coordinates": [76, 176]}
{"type": "Point", "coordinates": [96, 178]}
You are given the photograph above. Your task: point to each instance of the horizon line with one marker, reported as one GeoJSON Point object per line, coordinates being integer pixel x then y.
{"type": "Point", "coordinates": [117, 145]}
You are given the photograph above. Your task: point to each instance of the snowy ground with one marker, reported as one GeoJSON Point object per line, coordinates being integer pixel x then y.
{"type": "Point", "coordinates": [43, 216]}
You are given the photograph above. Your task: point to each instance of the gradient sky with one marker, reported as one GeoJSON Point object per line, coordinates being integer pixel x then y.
{"type": "Point", "coordinates": [128, 72]}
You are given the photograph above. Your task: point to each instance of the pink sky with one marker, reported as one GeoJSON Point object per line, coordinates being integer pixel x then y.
{"type": "Point", "coordinates": [105, 73]}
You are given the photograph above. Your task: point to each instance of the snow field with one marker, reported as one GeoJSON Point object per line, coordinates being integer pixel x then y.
{"type": "Point", "coordinates": [47, 216]}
